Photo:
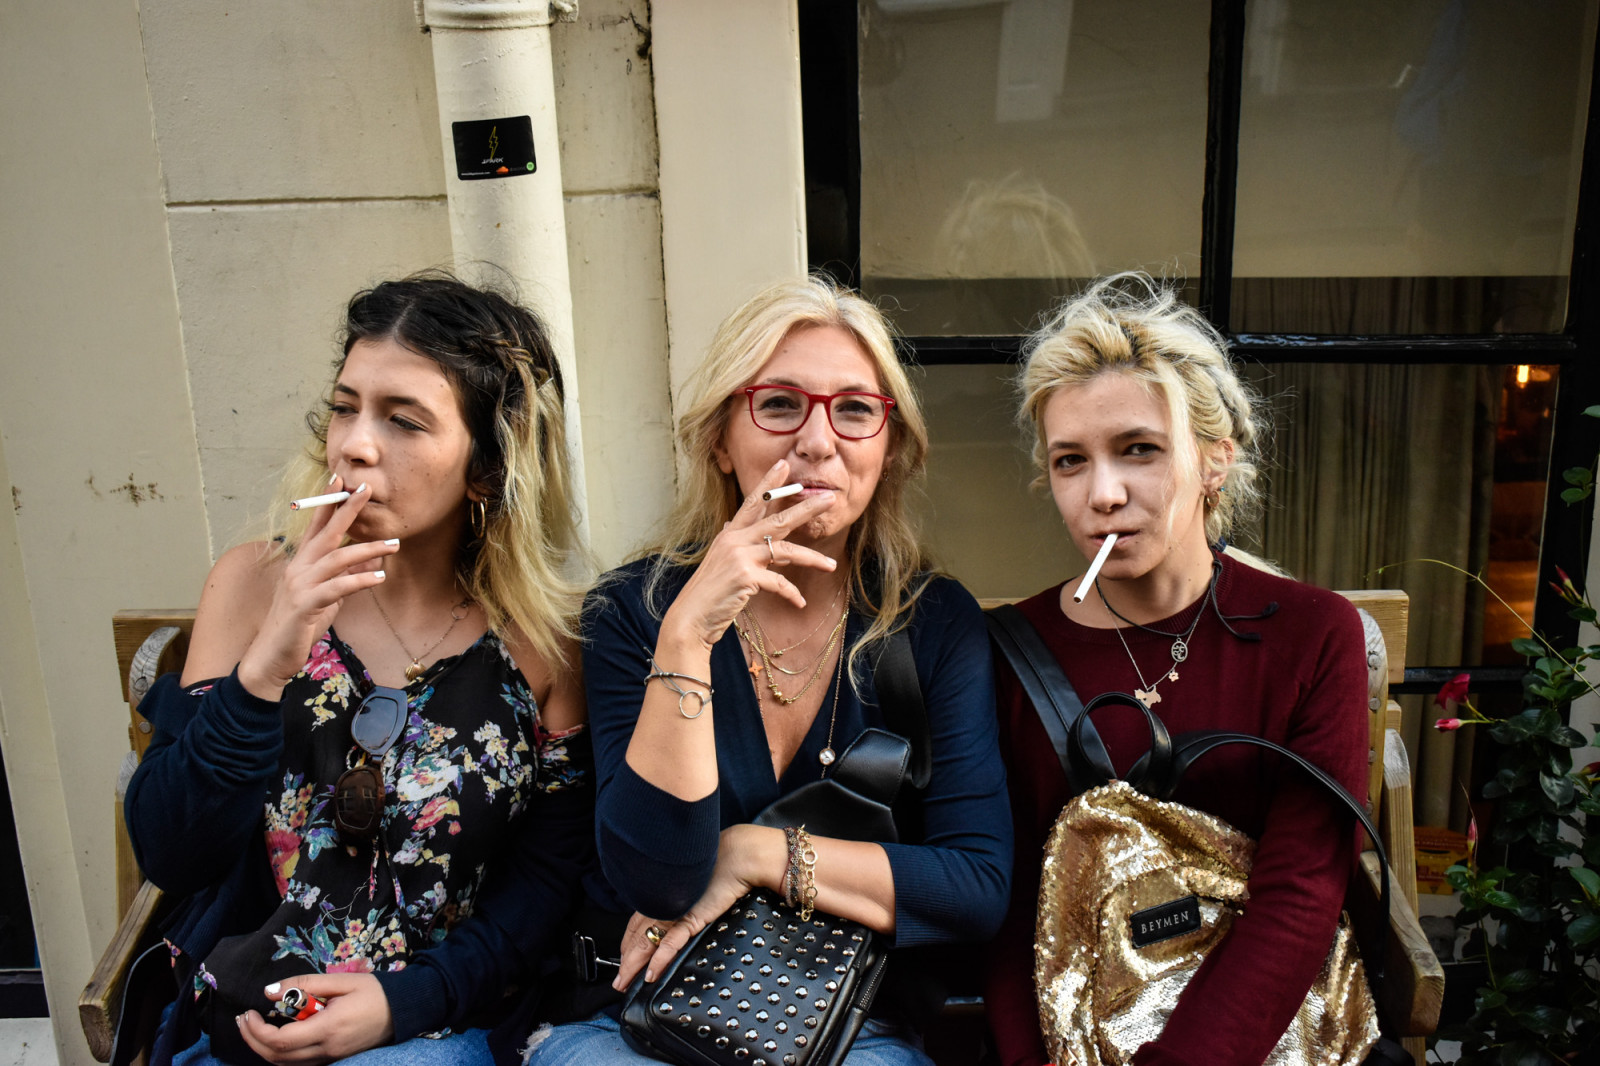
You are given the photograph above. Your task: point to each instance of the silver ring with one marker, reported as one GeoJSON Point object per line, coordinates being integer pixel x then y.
{"type": "Point", "coordinates": [772, 556]}
{"type": "Point", "coordinates": [654, 935]}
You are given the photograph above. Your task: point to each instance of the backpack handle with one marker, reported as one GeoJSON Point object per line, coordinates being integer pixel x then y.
{"type": "Point", "coordinates": [1090, 762]}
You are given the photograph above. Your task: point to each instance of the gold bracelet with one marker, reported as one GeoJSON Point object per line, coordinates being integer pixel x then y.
{"type": "Point", "coordinates": [805, 868]}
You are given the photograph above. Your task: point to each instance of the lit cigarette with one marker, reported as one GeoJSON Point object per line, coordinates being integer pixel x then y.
{"type": "Point", "coordinates": [319, 501]}
{"type": "Point", "coordinates": [780, 493]}
{"type": "Point", "coordinates": [1094, 568]}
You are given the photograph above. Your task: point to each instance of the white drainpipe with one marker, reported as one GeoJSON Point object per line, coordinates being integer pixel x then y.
{"type": "Point", "coordinates": [491, 61]}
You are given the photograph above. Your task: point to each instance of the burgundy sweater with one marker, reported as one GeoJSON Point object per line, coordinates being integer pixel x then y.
{"type": "Point", "coordinates": [1303, 684]}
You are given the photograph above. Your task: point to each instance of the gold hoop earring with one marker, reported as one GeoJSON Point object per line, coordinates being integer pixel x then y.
{"type": "Point", "coordinates": [478, 516]}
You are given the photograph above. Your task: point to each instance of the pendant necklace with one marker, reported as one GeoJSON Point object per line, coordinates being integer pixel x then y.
{"type": "Point", "coordinates": [826, 756]}
{"type": "Point", "coordinates": [1146, 692]}
{"type": "Point", "coordinates": [416, 669]}
{"type": "Point", "coordinates": [766, 663]}
{"type": "Point", "coordinates": [778, 653]}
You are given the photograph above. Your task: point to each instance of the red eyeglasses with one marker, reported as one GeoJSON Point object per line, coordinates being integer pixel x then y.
{"type": "Point", "coordinates": [853, 415]}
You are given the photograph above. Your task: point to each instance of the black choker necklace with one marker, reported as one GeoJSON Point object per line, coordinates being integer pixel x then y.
{"type": "Point", "coordinates": [1208, 596]}
{"type": "Point", "coordinates": [1180, 640]}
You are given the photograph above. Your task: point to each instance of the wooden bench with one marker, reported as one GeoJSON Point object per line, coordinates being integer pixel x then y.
{"type": "Point", "coordinates": [151, 643]}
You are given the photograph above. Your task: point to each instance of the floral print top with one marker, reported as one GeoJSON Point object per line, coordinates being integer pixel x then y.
{"type": "Point", "coordinates": [472, 752]}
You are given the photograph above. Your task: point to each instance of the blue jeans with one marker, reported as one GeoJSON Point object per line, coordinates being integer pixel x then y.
{"type": "Point", "coordinates": [599, 1040]}
{"type": "Point", "coordinates": [470, 1048]}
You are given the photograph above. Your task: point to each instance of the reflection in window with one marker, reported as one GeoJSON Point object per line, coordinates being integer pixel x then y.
{"type": "Point", "coordinates": [1010, 150]}
{"type": "Point", "coordinates": [1409, 168]}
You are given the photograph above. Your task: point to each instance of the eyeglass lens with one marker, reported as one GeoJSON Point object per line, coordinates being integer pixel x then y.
{"type": "Point", "coordinates": [379, 720]}
{"type": "Point", "coordinates": [777, 409]}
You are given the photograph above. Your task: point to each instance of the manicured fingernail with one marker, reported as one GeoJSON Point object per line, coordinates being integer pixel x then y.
{"type": "Point", "coordinates": [649, 975]}
{"type": "Point", "coordinates": [380, 574]}
{"type": "Point", "coordinates": [272, 989]}
{"type": "Point", "coordinates": [238, 1019]}
{"type": "Point", "coordinates": [392, 542]}
{"type": "Point", "coordinates": [333, 477]}
{"type": "Point", "coordinates": [361, 487]}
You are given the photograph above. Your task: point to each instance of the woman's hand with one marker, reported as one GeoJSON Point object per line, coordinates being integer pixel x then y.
{"type": "Point", "coordinates": [314, 582]}
{"type": "Point", "coordinates": [356, 1018]}
{"type": "Point", "coordinates": [744, 559]}
{"type": "Point", "coordinates": [748, 856]}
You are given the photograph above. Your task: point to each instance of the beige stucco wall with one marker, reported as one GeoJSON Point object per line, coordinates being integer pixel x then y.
{"type": "Point", "coordinates": [99, 448]}
{"type": "Point", "coordinates": [190, 193]}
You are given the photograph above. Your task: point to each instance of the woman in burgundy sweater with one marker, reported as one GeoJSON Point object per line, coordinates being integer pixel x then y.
{"type": "Point", "coordinates": [1144, 430]}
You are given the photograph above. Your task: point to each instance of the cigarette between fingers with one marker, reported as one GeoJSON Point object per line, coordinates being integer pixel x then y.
{"type": "Point", "coordinates": [781, 492]}
{"type": "Point", "coordinates": [1094, 568]}
{"type": "Point", "coordinates": [318, 501]}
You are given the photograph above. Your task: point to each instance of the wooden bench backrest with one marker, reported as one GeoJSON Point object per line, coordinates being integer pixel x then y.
{"type": "Point", "coordinates": [138, 666]}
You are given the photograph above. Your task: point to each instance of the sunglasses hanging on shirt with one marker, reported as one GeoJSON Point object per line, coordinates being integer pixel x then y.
{"type": "Point", "coordinates": [358, 795]}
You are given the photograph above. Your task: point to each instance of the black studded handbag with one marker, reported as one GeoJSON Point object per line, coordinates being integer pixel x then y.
{"type": "Point", "coordinates": [760, 986]}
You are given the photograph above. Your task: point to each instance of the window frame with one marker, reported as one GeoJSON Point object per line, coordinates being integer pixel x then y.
{"type": "Point", "coordinates": [832, 132]}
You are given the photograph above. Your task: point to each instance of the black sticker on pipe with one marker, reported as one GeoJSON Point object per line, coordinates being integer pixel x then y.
{"type": "Point", "coordinates": [493, 148]}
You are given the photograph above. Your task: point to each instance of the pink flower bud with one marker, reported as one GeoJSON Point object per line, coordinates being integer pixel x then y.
{"type": "Point", "coordinates": [1447, 725]}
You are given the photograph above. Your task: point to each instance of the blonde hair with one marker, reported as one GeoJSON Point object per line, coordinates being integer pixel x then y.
{"type": "Point", "coordinates": [885, 553]}
{"type": "Point", "coordinates": [1131, 324]}
{"type": "Point", "coordinates": [497, 357]}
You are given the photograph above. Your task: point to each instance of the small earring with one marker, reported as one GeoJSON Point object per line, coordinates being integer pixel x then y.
{"type": "Point", "coordinates": [478, 515]}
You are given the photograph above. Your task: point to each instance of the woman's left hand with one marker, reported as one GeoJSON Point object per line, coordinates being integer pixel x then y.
{"type": "Point", "coordinates": [356, 1018]}
{"type": "Point", "coordinates": [748, 856]}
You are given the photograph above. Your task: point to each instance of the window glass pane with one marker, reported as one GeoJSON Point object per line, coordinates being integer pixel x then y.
{"type": "Point", "coordinates": [1409, 168]}
{"type": "Point", "coordinates": [1010, 148]}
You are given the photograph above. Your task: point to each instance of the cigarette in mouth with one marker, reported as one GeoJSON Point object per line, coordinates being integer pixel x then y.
{"type": "Point", "coordinates": [318, 501]}
{"type": "Point", "coordinates": [780, 493]}
{"type": "Point", "coordinates": [1094, 568]}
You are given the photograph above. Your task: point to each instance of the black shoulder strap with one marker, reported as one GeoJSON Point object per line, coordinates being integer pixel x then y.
{"type": "Point", "coordinates": [1047, 688]}
{"type": "Point", "coordinates": [894, 675]}
{"type": "Point", "coordinates": [1187, 747]}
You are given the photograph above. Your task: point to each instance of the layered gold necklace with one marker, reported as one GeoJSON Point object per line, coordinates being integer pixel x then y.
{"type": "Point", "coordinates": [756, 638]}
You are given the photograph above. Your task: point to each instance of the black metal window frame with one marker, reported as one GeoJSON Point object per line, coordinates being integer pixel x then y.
{"type": "Point", "coordinates": [831, 110]}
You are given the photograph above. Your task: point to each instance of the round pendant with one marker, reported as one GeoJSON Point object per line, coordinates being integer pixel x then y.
{"type": "Point", "coordinates": [826, 756]}
{"type": "Point", "coordinates": [1180, 650]}
{"type": "Point", "coordinates": [414, 671]}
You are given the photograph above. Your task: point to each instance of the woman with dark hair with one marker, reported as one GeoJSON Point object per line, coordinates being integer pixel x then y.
{"type": "Point", "coordinates": [1143, 430]}
{"type": "Point", "coordinates": [369, 787]}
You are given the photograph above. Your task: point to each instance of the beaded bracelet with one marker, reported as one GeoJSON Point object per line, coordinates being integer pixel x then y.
{"type": "Point", "coordinates": [666, 676]}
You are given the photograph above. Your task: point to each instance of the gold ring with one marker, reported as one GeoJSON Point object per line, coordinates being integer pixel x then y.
{"type": "Point", "coordinates": [772, 556]}
{"type": "Point", "coordinates": [654, 935]}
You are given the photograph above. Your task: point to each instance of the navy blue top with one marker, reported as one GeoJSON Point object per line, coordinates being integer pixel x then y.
{"type": "Point", "coordinates": [657, 851]}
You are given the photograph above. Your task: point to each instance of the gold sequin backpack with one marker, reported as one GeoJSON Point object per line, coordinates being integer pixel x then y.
{"type": "Point", "coordinates": [1136, 889]}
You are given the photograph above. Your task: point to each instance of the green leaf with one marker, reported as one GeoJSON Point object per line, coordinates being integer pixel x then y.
{"type": "Point", "coordinates": [1522, 1053]}
{"type": "Point", "coordinates": [1558, 789]}
{"type": "Point", "coordinates": [1489, 999]}
{"type": "Point", "coordinates": [1592, 412]}
{"type": "Point", "coordinates": [1501, 898]}
{"type": "Point", "coordinates": [1584, 931]}
{"type": "Point", "coordinates": [1573, 495]}
{"type": "Point", "coordinates": [1544, 1020]}
{"type": "Point", "coordinates": [1567, 737]}
{"type": "Point", "coordinates": [1527, 646]}
{"type": "Point", "coordinates": [1518, 981]}
{"type": "Point", "coordinates": [1577, 475]}
{"type": "Point", "coordinates": [1587, 879]}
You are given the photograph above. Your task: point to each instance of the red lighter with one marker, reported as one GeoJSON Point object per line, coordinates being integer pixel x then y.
{"type": "Point", "coordinates": [297, 1005]}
